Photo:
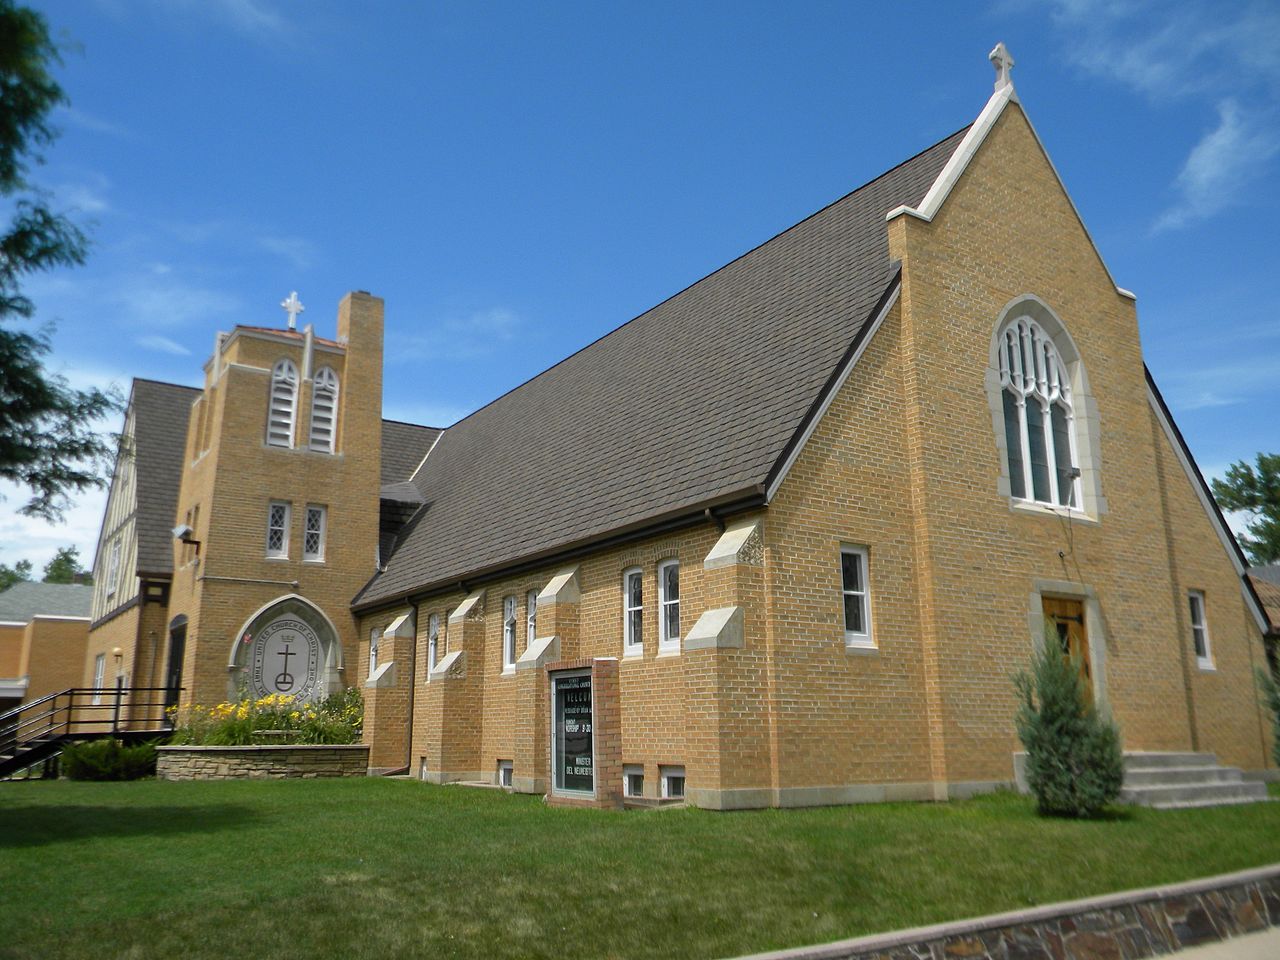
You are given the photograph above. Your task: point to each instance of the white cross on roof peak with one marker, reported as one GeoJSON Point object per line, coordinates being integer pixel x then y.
{"type": "Point", "coordinates": [1003, 61]}
{"type": "Point", "coordinates": [293, 306]}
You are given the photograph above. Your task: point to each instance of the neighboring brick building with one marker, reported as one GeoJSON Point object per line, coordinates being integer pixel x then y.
{"type": "Point", "coordinates": [43, 631]}
{"type": "Point", "coordinates": [781, 540]}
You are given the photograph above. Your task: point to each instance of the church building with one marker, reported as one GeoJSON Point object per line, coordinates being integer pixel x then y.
{"type": "Point", "coordinates": [781, 540]}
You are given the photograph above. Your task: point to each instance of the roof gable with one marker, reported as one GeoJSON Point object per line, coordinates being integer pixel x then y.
{"type": "Point", "coordinates": [929, 206]}
{"type": "Point", "coordinates": [688, 404]}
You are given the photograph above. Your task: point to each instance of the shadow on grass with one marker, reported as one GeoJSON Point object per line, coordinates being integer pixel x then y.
{"type": "Point", "coordinates": [35, 826]}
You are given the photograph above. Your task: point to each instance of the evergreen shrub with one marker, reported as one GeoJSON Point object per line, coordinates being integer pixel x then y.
{"type": "Point", "coordinates": [1074, 763]}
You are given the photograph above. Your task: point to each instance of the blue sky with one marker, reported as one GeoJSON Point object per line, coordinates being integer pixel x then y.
{"type": "Point", "coordinates": [516, 179]}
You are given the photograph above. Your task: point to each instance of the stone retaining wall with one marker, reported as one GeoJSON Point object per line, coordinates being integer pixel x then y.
{"type": "Point", "coordinates": [264, 762]}
{"type": "Point", "coordinates": [1121, 926]}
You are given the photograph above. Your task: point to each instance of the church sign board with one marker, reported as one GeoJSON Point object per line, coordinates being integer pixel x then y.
{"type": "Point", "coordinates": [572, 743]}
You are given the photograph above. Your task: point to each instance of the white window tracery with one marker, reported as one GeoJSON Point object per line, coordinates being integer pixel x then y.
{"type": "Point", "coordinates": [284, 404]}
{"type": "Point", "coordinates": [324, 405]}
{"type": "Point", "coordinates": [1039, 416]}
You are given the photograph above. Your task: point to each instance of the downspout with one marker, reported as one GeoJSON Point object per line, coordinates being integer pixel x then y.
{"type": "Point", "coordinates": [413, 684]}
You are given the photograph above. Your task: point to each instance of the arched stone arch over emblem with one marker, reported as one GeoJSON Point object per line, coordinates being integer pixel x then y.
{"type": "Point", "coordinates": [286, 647]}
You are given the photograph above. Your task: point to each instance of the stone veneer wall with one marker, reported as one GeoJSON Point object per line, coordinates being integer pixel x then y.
{"type": "Point", "coordinates": [1137, 923]}
{"type": "Point", "coordinates": [265, 762]}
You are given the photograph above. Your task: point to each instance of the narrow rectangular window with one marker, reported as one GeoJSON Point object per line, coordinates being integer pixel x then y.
{"type": "Point", "coordinates": [632, 780]}
{"type": "Point", "coordinates": [855, 594]}
{"type": "Point", "coordinates": [113, 568]}
{"type": "Point", "coordinates": [278, 528]}
{"type": "Point", "coordinates": [374, 637]}
{"type": "Point", "coordinates": [531, 618]}
{"type": "Point", "coordinates": [313, 538]}
{"type": "Point", "coordinates": [99, 674]}
{"type": "Point", "coordinates": [1200, 630]}
{"type": "Point", "coordinates": [672, 782]}
{"type": "Point", "coordinates": [508, 634]}
{"type": "Point", "coordinates": [669, 605]}
{"type": "Point", "coordinates": [433, 642]}
{"type": "Point", "coordinates": [633, 612]}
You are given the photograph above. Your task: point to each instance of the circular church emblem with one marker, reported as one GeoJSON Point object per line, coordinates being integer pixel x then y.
{"type": "Point", "coordinates": [285, 659]}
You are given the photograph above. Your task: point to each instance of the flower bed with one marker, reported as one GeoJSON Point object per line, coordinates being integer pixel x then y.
{"type": "Point", "coordinates": [280, 719]}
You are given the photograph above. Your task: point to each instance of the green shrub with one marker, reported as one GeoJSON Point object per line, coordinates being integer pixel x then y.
{"type": "Point", "coordinates": [272, 719]}
{"type": "Point", "coordinates": [1074, 763]}
{"type": "Point", "coordinates": [108, 760]}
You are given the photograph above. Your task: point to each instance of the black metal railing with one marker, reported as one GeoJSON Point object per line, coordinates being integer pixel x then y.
{"type": "Point", "coordinates": [83, 713]}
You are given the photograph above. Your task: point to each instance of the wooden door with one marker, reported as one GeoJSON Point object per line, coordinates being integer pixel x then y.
{"type": "Point", "coordinates": [1066, 619]}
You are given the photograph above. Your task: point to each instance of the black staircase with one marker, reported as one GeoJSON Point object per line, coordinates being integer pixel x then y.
{"type": "Point", "coordinates": [39, 730]}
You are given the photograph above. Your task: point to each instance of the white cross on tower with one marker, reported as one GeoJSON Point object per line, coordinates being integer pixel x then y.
{"type": "Point", "coordinates": [293, 306]}
{"type": "Point", "coordinates": [1003, 61]}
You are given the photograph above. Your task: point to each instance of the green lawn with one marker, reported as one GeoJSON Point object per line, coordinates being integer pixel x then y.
{"type": "Point", "coordinates": [383, 869]}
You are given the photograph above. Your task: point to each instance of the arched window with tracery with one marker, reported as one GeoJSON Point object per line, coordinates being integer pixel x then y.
{"type": "Point", "coordinates": [284, 404]}
{"type": "Point", "coordinates": [324, 406]}
{"type": "Point", "coordinates": [1039, 416]}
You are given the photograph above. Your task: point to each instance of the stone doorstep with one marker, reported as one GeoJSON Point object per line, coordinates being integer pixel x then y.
{"type": "Point", "coordinates": [975, 927]}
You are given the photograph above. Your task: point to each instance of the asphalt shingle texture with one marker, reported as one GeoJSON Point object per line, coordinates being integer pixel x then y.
{"type": "Point", "coordinates": [161, 412]}
{"type": "Point", "coordinates": [694, 400]}
{"type": "Point", "coordinates": [27, 599]}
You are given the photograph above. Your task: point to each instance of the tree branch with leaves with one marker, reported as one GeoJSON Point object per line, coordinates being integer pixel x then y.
{"type": "Point", "coordinates": [48, 440]}
{"type": "Point", "coordinates": [1255, 489]}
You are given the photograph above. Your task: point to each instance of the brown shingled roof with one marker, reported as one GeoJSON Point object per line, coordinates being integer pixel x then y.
{"type": "Point", "coordinates": [403, 447]}
{"type": "Point", "coordinates": [1268, 592]}
{"type": "Point", "coordinates": [691, 403]}
{"type": "Point", "coordinates": [161, 412]}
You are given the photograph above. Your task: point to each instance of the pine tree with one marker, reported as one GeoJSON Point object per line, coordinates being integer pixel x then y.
{"type": "Point", "coordinates": [1074, 763]}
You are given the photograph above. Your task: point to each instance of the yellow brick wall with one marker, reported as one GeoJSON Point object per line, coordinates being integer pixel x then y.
{"type": "Point", "coordinates": [234, 480]}
{"type": "Point", "coordinates": [906, 463]}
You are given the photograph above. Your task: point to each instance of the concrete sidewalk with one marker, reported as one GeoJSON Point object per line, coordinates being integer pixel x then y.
{"type": "Point", "coordinates": [1251, 946]}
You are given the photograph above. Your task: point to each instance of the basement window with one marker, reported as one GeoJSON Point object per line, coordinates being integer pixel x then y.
{"type": "Point", "coordinates": [505, 773]}
{"type": "Point", "coordinates": [633, 780]}
{"type": "Point", "coordinates": [672, 782]}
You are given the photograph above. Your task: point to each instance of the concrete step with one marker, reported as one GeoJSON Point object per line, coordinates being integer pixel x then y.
{"type": "Point", "coordinates": [1202, 794]}
{"type": "Point", "coordinates": [1195, 804]}
{"type": "Point", "coordinates": [1173, 775]}
{"type": "Point", "coordinates": [1160, 761]}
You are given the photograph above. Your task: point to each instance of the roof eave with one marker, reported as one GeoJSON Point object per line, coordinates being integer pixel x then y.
{"type": "Point", "coordinates": [747, 498]}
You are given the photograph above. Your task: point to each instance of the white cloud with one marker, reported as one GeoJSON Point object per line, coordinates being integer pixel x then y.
{"type": "Point", "coordinates": [87, 194]}
{"type": "Point", "coordinates": [297, 250]}
{"type": "Point", "coordinates": [30, 538]}
{"type": "Point", "coordinates": [463, 338]}
{"type": "Point", "coordinates": [1220, 385]}
{"type": "Point", "coordinates": [1221, 52]}
{"type": "Point", "coordinates": [1221, 167]}
{"type": "Point", "coordinates": [163, 345]}
{"type": "Point", "coordinates": [87, 121]}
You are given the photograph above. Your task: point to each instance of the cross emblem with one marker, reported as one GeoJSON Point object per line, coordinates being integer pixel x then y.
{"type": "Point", "coordinates": [293, 306]}
{"type": "Point", "coordinates": [1003, 61]}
